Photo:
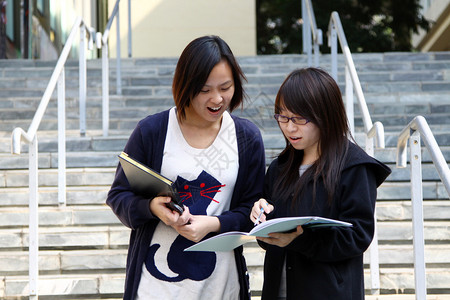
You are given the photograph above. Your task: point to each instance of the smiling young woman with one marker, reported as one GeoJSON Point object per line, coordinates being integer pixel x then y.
{"type": "Point", "coordinates": [203, 117]}
{"type": "Point", "coordinates": [217, 163]}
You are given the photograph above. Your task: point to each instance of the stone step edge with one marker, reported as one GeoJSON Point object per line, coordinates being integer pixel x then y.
{"type": "Point", "coordinates": [44, 189]}
{"type": "Point", "coordinates": [119, 227]}
{"type": "Point", "coordinates": [53, 285]}
{"type": "Point", "coordinates": [250, 249]}
{"type": "Point", "coordinates": [112, 236]}
{"type": "Point", "coordinates": [79, 215]}
{"type": "Point", "coordinates": [102, 206]}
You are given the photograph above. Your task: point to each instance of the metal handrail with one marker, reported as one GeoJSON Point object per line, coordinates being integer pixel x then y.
{"type": "Point", "coordinates": [310, 28]}
{"type": "Point", "coordinates": [416, 129]}
{"type": "Point", "coordinates": [373, 131]}
{"type": "Point", "coordinates": [57, 80]}
{"type": "Point", "coordinates": [335, 32]}
{"type": "Point", "coordinates": [420, 124]}
{"type": "Point", "coordinates": [103, 44]}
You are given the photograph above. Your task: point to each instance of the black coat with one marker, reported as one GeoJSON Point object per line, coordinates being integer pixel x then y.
{"type": "Point", "coordinates": [326, 263]}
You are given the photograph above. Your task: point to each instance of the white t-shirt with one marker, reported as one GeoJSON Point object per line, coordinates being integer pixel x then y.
{"type": "Point", "coordinates": [205, 180]}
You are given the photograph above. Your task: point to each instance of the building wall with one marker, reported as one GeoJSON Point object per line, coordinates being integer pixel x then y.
{"type": "Point", "coordinates": [438, 37]}
{"type": "Point", "coordinates": [162, 28]}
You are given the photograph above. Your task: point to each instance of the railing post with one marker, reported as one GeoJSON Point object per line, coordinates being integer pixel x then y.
{"type": "Point", "coordinates": [33, 236]}
{"type": "Point", "coordinates": [417, 216]}
{"type": "Point", "coordinates": [349, 105]}
{"type": "Point", "coordinates": [105, 67]}
{"type": "Point", "coordinates": [374, 256]}
{"type": "Point", "coordinates": [304, 19]}
{"type": "Point", "coordinates": [118, 65]}
{"type": "Point", "coordinates": [61, 139]}
{"type": "Point", "coordinates": [306, 31]}
{"type": "Point", "coordinates": [317, 43]}
{"type": "Point", "coordinates": [374, 260]}
{"type": "Point", "coordinates": [332, 43]}
{"type": "Point", "coordinates": [436, 156]}
{"type": "Point", "coordinates": [105, 90]}
{"type": "Point", "coordinates": [129, 29]}
{"type": "Point", "coordinates": [82, 80]}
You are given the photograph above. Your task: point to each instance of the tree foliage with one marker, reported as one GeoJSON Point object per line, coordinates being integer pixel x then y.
{"type": "Point", "coordinates": [369, 25]}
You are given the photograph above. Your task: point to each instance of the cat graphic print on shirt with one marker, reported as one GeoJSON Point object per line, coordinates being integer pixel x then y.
{"type": "Point", "coordinates": [197, 195]}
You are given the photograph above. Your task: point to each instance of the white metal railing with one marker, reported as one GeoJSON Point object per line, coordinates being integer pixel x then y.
{"type": "Point", "coordinates": [57, 81]}
{"type": "Point", "coordinates": [416, 129]}
{"type": "Point", "coordinates": [102, 42]}
{"type": "Point", "coordinates": [310, 30]}
{"type": "Point", "coordinates": [372, 131]}
{"type": "Point", "coordinates": [352, 83]}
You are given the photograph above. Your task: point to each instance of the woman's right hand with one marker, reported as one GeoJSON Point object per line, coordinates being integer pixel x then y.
{"type": "Point", "coordinates": [261, 207]}
{"type": "Point", "coordinates": [159, 208]}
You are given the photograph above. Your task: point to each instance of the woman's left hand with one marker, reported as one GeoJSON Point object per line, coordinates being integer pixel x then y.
{"type": "Point", "coordinates": [281, 239]}
{"type": "Point", "coordinates": [198, 227]}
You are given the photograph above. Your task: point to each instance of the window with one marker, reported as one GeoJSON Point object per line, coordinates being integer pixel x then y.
{"type": "Point", "coordinates": [40, 6]}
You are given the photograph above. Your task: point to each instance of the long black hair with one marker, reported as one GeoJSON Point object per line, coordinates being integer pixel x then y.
{"type": "Point", "coordinates": [313, 94]}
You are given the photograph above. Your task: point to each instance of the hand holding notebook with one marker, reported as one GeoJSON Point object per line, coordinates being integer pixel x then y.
{"type": "Point", "coordinates": [229, 240]}
{"type": "Point", "coordinates": [149, 183]}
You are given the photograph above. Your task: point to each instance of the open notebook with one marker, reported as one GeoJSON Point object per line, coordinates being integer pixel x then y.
{"type": "Point", "coordinates": [229, 240]}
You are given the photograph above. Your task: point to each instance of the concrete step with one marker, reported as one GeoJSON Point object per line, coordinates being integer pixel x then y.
{"type": "Point", "coordinates": [397, 256]}
{"type": "Point", "coordinates": [271, 133]}
{"type": "Point", "coordinates": [47, 160]}
{"type": "Point", "coordinates": [402, 210]}
{"type": "Point", "coordinates": [86, 144]}
{"type": "Point", "coordinates": [115, 235]}
{"type": "Point", "coordinates": [68, 238]}
{"type": "Point", "coordinates": [272, 138]}
{"type": "Point", "coordinates": [95, 194]}
{"type": "Point", "coordinates": [367, 62]}
{"type": "Point", "coordinates": [49, 177]}
{"type": "Point", "coordinates": [87, 195]}
{"type": "Point", "coordinates": [111, 285]}
{"type": "Point", "coordinates": [15, 263]}
{"type": "Point", "coordinates": [406, 100]}
{"type": "Point", "coordinates": [84, 286]}
{"type": "Point", "coordinates": [415, 79]}
{"type": "Point", "coordinates": [114, 260]}
{"type": "Point", "coordinates": [100, 214]}
{"type": "Point", "coordinates": [102, 152]}
{"type": "Point", "coordinates": [402, 191]}
{"type": "Point", "coordinates": [414, 96]}
{"type": "Point", "coordinates": [393, 111]}
{"type": "Point", "coordinates": [396, 281]}
{"type": "Point", "coordinates": [80, 195]}
{"type": "Point", "coordinates": [16, 217]}
{"type": "Point", "coordinates": [100, 175]}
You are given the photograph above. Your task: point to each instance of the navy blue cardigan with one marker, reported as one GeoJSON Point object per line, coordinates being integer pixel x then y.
{"type": "Point", "coordinates": [146, 145]}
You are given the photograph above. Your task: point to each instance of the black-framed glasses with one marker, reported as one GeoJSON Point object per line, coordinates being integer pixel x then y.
{"type": "Point", "coordinates": [295, 120]}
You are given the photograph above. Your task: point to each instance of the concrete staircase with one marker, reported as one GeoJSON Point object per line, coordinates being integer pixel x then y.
{"type": "Point", "coordinates": [83, 245]}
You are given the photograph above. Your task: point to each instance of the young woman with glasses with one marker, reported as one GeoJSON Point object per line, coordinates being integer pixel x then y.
{"type": "Point", "coordinates": [322, 173]}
